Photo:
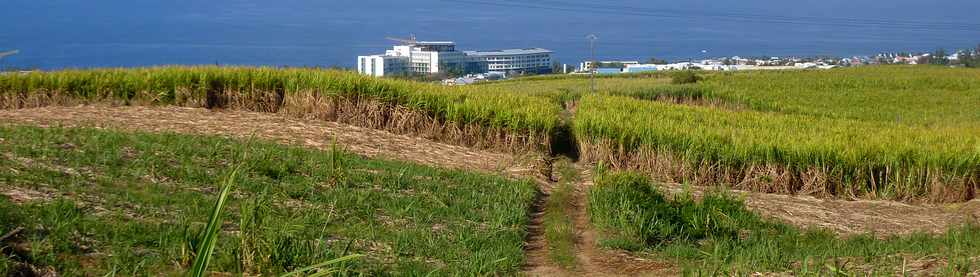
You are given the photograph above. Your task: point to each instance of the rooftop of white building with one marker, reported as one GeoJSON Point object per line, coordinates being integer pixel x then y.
{"type": "Point", "coordinates": [377, 55]}
{"type": "Point", "coordinates": [435, 43]}
{"type": "Point", "coordinates": [524, 51]}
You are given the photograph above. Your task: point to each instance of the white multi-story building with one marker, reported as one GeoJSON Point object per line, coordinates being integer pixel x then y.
{"type": "Point", "coordinates": [537, 60]}
{"type": "Point", "coordinates": [382, 65]}
{"type": "Point", "coordinates": [432, 57]}
{"type": "Point", "coordinates": [423, 57]}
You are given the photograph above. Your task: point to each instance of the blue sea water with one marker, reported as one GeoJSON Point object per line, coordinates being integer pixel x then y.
{"type": "Point", "coordinates": [53, 34]}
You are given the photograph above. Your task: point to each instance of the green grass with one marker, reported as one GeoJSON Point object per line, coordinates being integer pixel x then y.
{"type": "Point", "coordinates": [718, 235]}
{"type": "Point", "coordinates": [558, 219]}
{"type": "Point", "coordinates": [135, 204]}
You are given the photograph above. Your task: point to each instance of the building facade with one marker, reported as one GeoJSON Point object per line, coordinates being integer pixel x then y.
{"type": "Point", "coordinates": [528, 60]}
{"type": "Point", "coordinates": [434, 57]}
{"type": "Point", "coordinates": [382, 65]}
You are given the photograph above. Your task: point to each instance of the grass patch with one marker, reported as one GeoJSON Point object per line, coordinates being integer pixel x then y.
{"type": "Point", "coordinates": [559, 221]}
{"type": "Point", "coordinates": [131, 203]}
{"type": "Point", "coordinates": [716, 234]}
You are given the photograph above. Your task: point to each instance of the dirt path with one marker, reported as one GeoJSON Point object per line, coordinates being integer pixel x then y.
{"type": "Point", "coordinates": [603, 262]}
{"type": "Point", "coordinates": [310, 133]}
{"type": "Point", "coordinates": [590, 259]}
{"type": "Point", "coordinates": [536, 245]}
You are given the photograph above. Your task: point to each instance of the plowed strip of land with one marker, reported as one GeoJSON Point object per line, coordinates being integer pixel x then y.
{"type": "Point", "coordinates": [240, 124]}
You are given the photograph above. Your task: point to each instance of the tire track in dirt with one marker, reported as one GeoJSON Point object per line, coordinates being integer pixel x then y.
{"type": "Point", "coordinates": [538, 261]}
{"type": "Point", "coordinates": [606, 262]}
{"type": "Point", "coordinates": [590, 260]}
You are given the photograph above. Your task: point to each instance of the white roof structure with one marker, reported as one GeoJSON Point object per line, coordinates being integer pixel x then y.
{"type": "Point", "coordinates": [524, 51]}
{"type": "Point", "coordinates": [435, 43]}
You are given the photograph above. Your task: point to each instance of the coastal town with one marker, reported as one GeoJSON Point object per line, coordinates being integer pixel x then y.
{"type": "Point", "coordinates": [411, 57]}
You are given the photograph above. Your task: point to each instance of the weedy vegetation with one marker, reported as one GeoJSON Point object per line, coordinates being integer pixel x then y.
{"type": "Point", "coordinates": [559, 217]}
{"type": "Point", "coordinates": [209, 237]}
{"type": "Point", "coordinates": [716, 235]}
{"type": "Point", "coordinates": [87, 196]}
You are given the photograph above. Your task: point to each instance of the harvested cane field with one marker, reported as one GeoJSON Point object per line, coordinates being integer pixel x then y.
{"type": "Point", "coordinates": [481, 117]}
{"type": "Point", "coordinates": [896, 133]}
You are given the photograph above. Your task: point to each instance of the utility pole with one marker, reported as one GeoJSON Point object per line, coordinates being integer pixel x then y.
{"type": "Point", "coordinates": [593, 65]}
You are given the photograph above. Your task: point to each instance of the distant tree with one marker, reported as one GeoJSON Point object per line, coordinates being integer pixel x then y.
{"type": "Point", "coordinates": [656, 61]}
{"type": "Point", "coordinates": [611, 65]}
{"type": "Point", "coordinates": [966, 59]}
{"type": "Point", "coordinates": [939, 57]}
{"type": "Point", "coordinates": [455, 70]}
{"type": "Point", "coordinates": [684, 77]}
{"type": "Point", "coordinates": [970, 59]}
{"type": "Point", "coordinates": [556, 66]}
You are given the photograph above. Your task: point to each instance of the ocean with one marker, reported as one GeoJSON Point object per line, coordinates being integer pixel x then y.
{"type": "Point", "coordinates": [56, 34]}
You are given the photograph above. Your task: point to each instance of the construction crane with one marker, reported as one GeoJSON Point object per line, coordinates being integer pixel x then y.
{"type": "Point", "coordinates": [409, 41]}
{"type": "Point", "coordinates": [4, 54]}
